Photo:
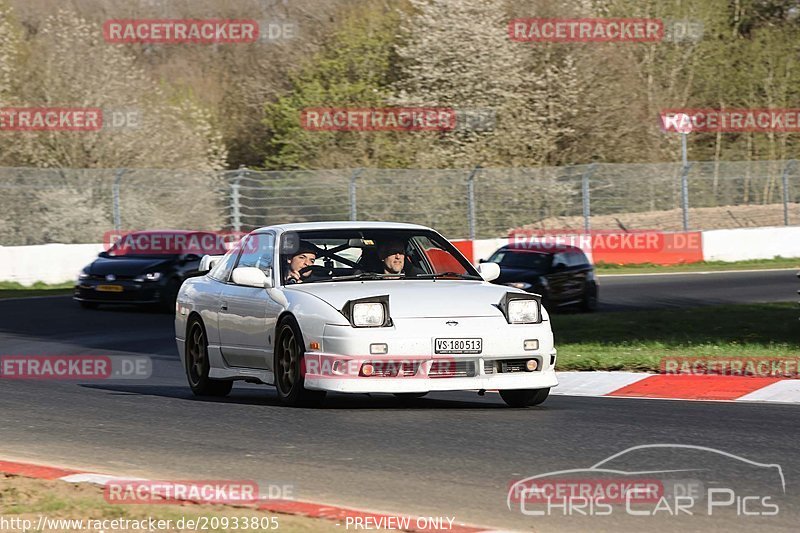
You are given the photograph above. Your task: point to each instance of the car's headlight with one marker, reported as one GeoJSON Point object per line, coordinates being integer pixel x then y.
{"type": "Point", "coordinates": [150, 276]}
{"type": "Point", "coordinates": [521, 308]}
{"type": "Point", "coordinates": [368, 314]}
{"type": "Point", "coordinates": [83, 274]}
{"type": "Point", "coordinates": [523, 311]}
{"type": "Point", "coordinates": [372, 312]}
{"type": "Point", "coordinates": [519, 285]}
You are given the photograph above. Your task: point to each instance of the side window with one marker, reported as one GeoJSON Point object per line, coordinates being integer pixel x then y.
{"type": "Point", "coordinates": [579, 259]}
{"type": "Point", "coordinates": [258, 251]}
{"type": "Point", "coordinates": [222, 270]}
{"type": "Point", "coordinates": [559, 259]}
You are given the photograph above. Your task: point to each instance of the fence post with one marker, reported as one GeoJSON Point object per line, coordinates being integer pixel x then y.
{"type": "Point", "coordinates": [685, 195]}
{"type": "Point", "coordinates": [236, 199]}
{"type": "Point", "coordinates": [785, 179]}
{"type": "Point", "coordinates": [353, 209]}
{"type": "Point", "coordinates": [587, 211]}
{"type": "Point", "coordinates": [471, 201]}
{"type": "Point", "coordinates": [115, 199]}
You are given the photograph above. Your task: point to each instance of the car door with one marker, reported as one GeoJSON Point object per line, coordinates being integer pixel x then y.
{"type": "Point", "coordinates": [576, 276]}
{"type": "Point", "coordinates": [557, 278]}
{"type": "Point", "coordinates": [247, 315]}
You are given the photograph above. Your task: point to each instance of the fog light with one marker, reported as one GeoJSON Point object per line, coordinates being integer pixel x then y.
{"type": "Point", "coordinates": [531, 365]}
{"type": "Point", "coordinates": [367, 369]}
{"type": "Point", "coordinates": [531, 344]}
{"type": "Point", "coordinates": [379, 349]}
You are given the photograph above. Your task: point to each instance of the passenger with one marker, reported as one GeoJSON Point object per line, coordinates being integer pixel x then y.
{"type": "Point", "coordinates": [304, 257]}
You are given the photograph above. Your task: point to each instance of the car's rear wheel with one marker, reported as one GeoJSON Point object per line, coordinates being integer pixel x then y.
{"type": "Point", "coordinates": [289, 381]}
{"type": "Point", "coordinates": [198, 364]}
{"type": "Point", "coordinates": [524, 397]}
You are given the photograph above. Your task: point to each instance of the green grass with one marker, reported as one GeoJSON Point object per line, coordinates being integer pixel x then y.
{"type": "Point", "coordinates": [638, 340]}
{"type": "Point", "coordinates": [12, 289]}
{"type": "Point", "coordinates": [647, 268]}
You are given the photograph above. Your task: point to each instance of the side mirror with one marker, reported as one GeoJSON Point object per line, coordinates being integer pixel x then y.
{"type": "Point", "coordinates": [251, 277]}
{"type": "Point", "coordinates": [208, 262]}
{"type": "Point", "coordinates": [103, 254]}
{"type": "Point", "coordinates": [483, 260]}
{"type": "Point", "coordinates": [489, 271]}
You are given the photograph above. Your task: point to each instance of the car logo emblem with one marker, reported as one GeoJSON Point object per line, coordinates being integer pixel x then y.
{"type": "Point", "coordinates": [451, 323]}
{"type": "Point", "coordinates": [111, 277]}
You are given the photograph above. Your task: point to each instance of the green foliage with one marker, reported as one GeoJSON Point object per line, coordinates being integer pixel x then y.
{"type": "Point", "coordinates": [354, 70]}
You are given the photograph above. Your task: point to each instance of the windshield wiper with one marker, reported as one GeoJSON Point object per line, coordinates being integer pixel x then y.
{"type": "Point", "coordinates": [445, 275]}
{"type": "Point", "coordinates": [365, 275]}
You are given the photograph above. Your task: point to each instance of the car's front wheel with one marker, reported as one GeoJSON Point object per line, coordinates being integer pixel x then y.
{"type": "Point", "coordinates": [289, 352]}
{"type": "Point", "coordinates": [524, 397]}
{"type": "Point", "coordinates": [198, 364]}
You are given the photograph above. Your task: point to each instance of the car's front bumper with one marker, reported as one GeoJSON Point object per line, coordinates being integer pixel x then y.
{"type": "Point", "coordinates": [130, 292]}
{"type": "Point", "coordinates": [396, 374]}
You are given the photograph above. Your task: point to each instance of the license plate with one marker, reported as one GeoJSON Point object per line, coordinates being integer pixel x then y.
{"type": "Point", "coordinates": [109, 288]}
{"type": "Point", "coordinates": [458, 346]}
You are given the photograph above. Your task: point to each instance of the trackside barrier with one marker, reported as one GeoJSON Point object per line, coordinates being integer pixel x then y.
{"type": "Point", "coordinates": [59, 263]}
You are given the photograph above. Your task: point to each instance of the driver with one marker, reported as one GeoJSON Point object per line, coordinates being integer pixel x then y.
{"type": "Point", "coordinates": [304, 257]}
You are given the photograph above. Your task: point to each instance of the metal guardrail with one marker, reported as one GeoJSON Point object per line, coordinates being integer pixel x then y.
{"type": "Point", "coordinates": [79, 205]}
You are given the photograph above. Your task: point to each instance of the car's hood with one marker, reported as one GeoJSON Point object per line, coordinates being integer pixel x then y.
{"type": "Point", "coordinates": [418, 298]}
{"type": "Point", "coordinates": [125, 266]}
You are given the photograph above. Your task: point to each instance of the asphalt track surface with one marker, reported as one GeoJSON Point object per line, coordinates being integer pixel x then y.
{"type": "Point", "coordinates": [449, 454]}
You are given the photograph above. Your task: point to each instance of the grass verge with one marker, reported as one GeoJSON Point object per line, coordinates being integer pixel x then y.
{"type": "Point", "coordinates": [11, 289]}
{"type": "Point", "coordinates": [703, 266]}
{"type": "Point", "coordinates": [29, 499]}
{"type": "Point", "coordinates": [638, 340]}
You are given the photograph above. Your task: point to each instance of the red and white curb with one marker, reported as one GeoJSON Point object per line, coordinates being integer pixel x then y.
{"type": "Point", "coordinates": [290, 507]}
{"type": "Point", "coordinates": [678, 387]}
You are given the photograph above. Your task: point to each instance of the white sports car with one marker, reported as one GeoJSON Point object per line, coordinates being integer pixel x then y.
{"type": "Point", "coordinates": [378, 308]}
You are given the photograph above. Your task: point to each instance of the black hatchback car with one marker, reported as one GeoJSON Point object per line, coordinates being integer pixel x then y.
{"type": "Point", "coordinates": [563, 274]}
{"type": "Point", "coordinates": [146, 267]}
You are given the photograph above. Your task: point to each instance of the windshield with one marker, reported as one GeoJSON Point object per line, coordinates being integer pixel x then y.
{"type": "Point", "coordinates": [166, 244]}
{"type": "Point", "coordinates": [370, 255]}
{"type": "Point", "coordinates": [529, 260]}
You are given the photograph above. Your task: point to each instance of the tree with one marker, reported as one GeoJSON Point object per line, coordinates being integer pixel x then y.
{"type": "Point", "coordinates": [458, 54]}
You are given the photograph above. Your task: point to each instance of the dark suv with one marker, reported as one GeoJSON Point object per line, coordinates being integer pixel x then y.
{"type": "Point", "coordinates": [562, 275]}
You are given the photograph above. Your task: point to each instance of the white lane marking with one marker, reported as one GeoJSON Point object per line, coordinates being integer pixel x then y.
{"type": "Point", "coordinates": [787, 390]}
{"type": "Point", "coordinates": [97, 479]}
{"type": "Point", "coordinates": [796, 269]}
{"type": "Point", "coordinates": [596, 383]}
